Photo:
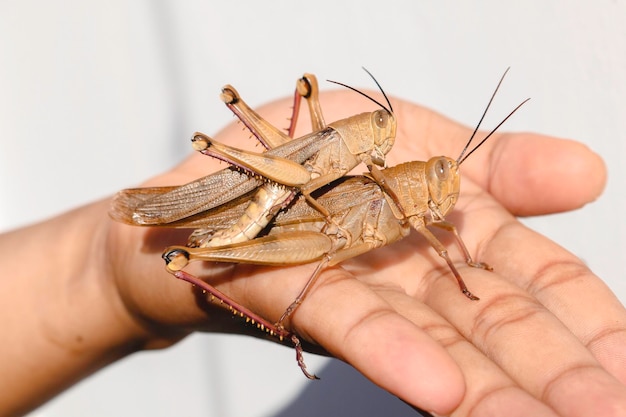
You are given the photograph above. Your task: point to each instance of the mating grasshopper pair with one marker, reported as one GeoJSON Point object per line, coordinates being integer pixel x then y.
{"type": "Point", "coordinates": [296, 196]}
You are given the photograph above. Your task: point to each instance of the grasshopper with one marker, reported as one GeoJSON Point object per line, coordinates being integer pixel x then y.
{"type": "Point", "coordinates": [429, 191]}
{"type": "Point", "coordinates": [327, 154]}
{"type": "Point", "coordinates": [302, 233]}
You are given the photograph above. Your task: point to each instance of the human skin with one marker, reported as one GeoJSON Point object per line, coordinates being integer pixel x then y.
{"type": "Point", "coordinates": [546, 338]}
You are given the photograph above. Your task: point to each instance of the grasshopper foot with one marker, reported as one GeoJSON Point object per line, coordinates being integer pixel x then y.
{"type": "Point", "coordinates": [298, 347]}
{"type": "Point", "coordinates": [469, 295]}
{"type": "Point", "coordinates": [480, 265]}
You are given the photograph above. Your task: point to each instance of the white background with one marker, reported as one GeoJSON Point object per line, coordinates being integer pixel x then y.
{"type": "Point", "coordinates": [98, 96]}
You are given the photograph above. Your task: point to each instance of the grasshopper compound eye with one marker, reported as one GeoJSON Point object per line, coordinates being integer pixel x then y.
{"type": "Point", "coordinates": [442, 170]}
{"type": "Point", "coordinates": [381, 117]}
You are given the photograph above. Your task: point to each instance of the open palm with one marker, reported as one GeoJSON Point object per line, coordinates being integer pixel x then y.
{"type": "Point", "coordinates": [544, 338]}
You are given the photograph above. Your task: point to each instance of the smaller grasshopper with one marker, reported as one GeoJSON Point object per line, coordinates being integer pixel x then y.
{"type": "Point", "coordinates": [327, 153]}
{"type": "Point", "coordinates": [365, 138]}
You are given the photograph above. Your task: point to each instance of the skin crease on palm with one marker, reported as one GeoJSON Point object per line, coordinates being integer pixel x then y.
{"type": "Point", "coordinates": [545, 339]}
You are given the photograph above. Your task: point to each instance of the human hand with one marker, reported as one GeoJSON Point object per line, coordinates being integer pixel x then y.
{"type": "Point", "coordinates": [536, 340]}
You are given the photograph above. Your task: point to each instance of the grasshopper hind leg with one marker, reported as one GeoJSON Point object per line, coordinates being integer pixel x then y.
{"type": "Point", "coordinates": [300, 298]}
{"type": "Point", "coordinates": [178, 258]}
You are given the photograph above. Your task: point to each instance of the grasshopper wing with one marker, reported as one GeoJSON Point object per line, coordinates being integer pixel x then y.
{"type": "Point", "coordinates": [154, 206]}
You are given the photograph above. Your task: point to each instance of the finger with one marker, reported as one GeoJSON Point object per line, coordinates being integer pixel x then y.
{"type": "Point", "coordinates": [529, 174]}
{"type": "Point", "coordinates": [533, 174]}
{"type": "Point", "coordinates": [354, 324]}
{"type": "Point", "coordinates": [564, 285]}
{"type": "Point", "coordinates": [489, 390]}
{"type": "Point", "coordinates": [531, 345]}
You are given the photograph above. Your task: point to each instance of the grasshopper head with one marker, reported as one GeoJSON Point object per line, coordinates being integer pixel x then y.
{"type": "Point", "coordinates": [382, 122]}
{"type": "Point", "coordinates": [384, 129]}
{"type": "Point", "coordinates": [444, 183]}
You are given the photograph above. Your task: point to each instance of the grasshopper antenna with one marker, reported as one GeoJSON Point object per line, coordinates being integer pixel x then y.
{"type": "Point", "coordinates": [462, 157]}
{"type": "Point", "coordinates": [389, 109]}
{"type": "Point", "coordinates": [459, 161]}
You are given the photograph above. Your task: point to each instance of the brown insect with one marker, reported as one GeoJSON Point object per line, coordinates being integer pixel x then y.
{"type": "Point", "coordinates": [328, 226]}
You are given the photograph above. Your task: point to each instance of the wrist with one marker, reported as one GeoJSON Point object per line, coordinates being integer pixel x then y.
{"type": "Point", "coordinates": [93, 309]}
{"type": "Point", "coordinates": [58, 308]}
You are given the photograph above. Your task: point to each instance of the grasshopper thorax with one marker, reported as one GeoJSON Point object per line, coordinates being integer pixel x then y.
{"type": "Point", "coordinates": [444, 183]}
